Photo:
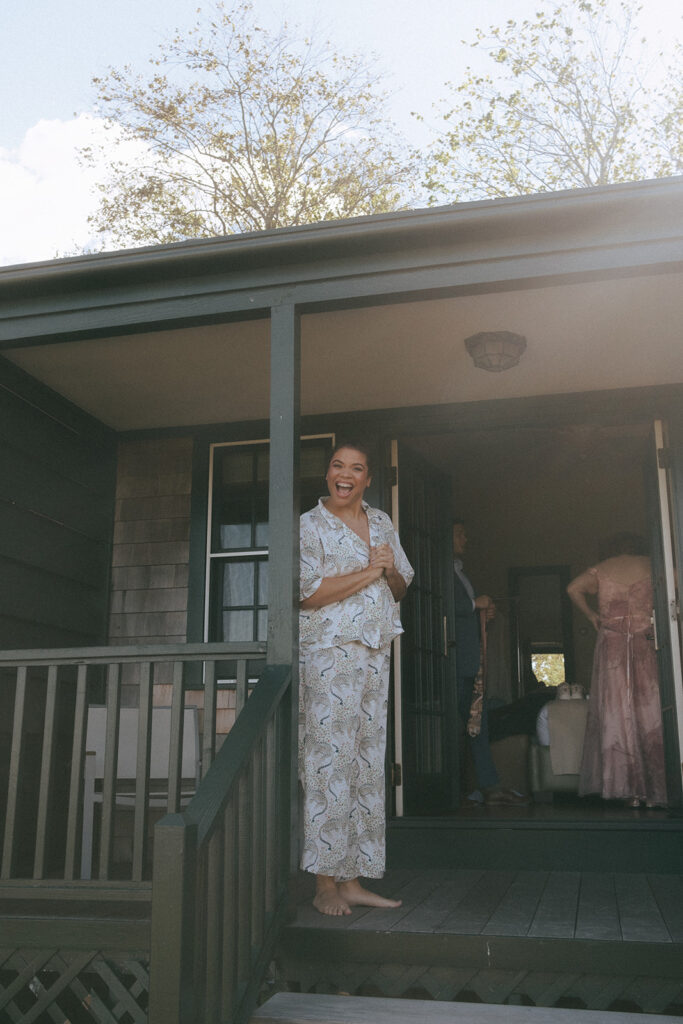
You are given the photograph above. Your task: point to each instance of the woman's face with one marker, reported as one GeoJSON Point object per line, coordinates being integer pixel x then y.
{"type": "Point", "coordinates": [347, 476]}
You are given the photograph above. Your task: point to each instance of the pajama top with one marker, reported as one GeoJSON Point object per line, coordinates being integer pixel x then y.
{"type": "Point", "coordinates": [330, 548]}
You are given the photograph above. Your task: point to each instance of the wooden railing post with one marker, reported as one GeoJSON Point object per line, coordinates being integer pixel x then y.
{"type": "Point", "coordinates": [172, 996]}
{"type": "Point", "coordinates": [283, 573]}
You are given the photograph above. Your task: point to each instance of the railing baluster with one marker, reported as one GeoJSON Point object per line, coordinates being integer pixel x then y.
{"type": "Point", "coordinates": [15, 763]}
{"type": "Point", "coordinates": [142, 782]}
{"type": "Point", "coordinates": [271, 780]}
{"type": "Point", "coordinates": [245, 878]}
{"type": "Point", "coordinates": [241, 686]}
{"type": "Point", "coordinates": [258, 844]}
{"type": "Point", "coordinates": [229, 972]}
{"type": "Point", "coordinates": [46, 767]}
{"type": "Point", "coordinates": [210, 696]}
{"type": "Point", "coordinates": [175, 753]}
{"type": "Point", "coordinates": [111, 756]}
{"type": "Point", "coordinates": [76, 784]}
{"type": "Point", "coordinates": [214, 925]}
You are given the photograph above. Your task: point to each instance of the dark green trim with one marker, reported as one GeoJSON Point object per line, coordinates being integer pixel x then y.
{"type": "Point", "coordinates": [199, 508]}
{"type": "Point", "coordinates": [521, 242]}
{"type": "Point", "coordinates": [602, 408]}
{"type": "Point", "coordinates": [536, 844]}
{"type": "Point", "coordinates": [283, 499]}
{"type": "Point", "coordinates": [576, 956]}
{"type": "Point", "coordinates": [112, 934]}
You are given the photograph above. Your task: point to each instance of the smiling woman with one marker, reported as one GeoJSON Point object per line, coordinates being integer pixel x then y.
{"type": "Point", "coordinates": [353, 573]}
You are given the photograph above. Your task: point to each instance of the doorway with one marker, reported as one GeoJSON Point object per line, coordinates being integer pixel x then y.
{"type": "Point", "coordinates": [538, 503]}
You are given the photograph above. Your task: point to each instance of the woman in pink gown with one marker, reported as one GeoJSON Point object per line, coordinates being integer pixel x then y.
{"type": "Point", "coordinates": [623, 753]}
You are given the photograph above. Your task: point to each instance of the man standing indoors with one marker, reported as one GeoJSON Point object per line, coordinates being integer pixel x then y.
{"type": "Point", "coordinates": [468, 655]}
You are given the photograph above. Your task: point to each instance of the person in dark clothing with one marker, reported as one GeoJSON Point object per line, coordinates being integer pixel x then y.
{"type": "Point", "coordinates": [468, 653]}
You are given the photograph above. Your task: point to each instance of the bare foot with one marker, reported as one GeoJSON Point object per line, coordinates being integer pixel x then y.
{"type": "Point", "coordinates": [328, 899]}
{"type": "Point", "coordinates": [356, 896]}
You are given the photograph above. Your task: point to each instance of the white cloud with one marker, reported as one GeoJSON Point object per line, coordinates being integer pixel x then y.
{"type": "Point", "coordinates": [45, 193]}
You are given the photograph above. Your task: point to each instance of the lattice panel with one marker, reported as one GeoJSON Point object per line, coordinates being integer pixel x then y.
{"type": "Point", "coordinates": [526, 988]}
{"type": "Point", "coordinates": [67, 987]}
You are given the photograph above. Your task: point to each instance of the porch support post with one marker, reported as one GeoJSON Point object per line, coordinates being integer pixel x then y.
{"type": "Point", "coordinates": [283, 569]}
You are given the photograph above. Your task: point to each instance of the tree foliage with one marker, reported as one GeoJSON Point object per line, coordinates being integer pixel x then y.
{"type": "Point", "coordinates": [571, 104]}
{"type": "Point", "coordinates": [239, 129]}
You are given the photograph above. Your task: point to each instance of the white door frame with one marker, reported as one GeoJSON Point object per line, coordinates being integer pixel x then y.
{"type": "Point", "coordinates": [673, 622]}
{"type": "Point", "coordinates": [398, 692]}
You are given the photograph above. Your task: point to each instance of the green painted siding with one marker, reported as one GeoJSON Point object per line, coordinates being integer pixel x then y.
{"type": "Point", "coordinates": [56, 511]}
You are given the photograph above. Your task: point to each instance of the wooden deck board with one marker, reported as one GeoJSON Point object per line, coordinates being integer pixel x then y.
{"type": "Point", "coordinates": [413, 894]}
{"type": "Point", "coordinates": [639, 914]}
{"type": "Point", "coordinates": [668, 891]}
{"type": "Point", "coordinates": [555, 916]}
{"type": "Point", "coordinates": [515, 912]}
{"type": "Point", "coordinates": [432, 911]}
{"type": "Point", "coordinates": [597, 914]}
{"type": "Point", "coordinates": [472, 913]}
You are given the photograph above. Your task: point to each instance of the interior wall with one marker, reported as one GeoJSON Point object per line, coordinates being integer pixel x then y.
{"type": "Point", "coordinates": [538, 496]}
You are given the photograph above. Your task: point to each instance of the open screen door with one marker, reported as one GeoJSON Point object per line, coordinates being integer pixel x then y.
{"type": "Point", "coordinates": [665, 492]}
{"type": "Point", "coordinates": [425, 710]}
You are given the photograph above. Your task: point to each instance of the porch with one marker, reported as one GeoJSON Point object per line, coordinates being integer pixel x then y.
{"type": "Point", "coordinates": [532, 906]}
{"type": "Point", "coordinates": [163, 355]}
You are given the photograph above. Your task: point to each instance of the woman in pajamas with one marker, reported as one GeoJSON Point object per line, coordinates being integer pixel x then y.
{"type": "Point", "coordinates": [353, 573]}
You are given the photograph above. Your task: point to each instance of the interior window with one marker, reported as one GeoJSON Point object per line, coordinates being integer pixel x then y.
{"type": "Point", "coordinates": [548, 668]}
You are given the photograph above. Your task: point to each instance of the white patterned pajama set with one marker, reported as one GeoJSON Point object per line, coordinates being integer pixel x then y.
{"type": "Point", "coordinates": [344, 682]}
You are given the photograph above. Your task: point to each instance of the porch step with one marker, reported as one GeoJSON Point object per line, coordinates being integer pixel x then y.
{"type": "Point", "coordinates": [587, 940]}
{"type": "Point", "coordinates": [294, 1008]}
{"type": "Point", "coordinates": [537, 840]}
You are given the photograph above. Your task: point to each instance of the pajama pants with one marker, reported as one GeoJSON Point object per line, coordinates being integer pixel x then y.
{"type": "Point", "coordinates": [342, 740]}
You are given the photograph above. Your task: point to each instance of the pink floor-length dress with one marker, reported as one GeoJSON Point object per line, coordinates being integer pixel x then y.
{"type": "Point", "coordinates": [623, 754]}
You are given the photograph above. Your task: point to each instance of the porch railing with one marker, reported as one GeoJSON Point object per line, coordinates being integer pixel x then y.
{"type": "Point", "coordinates": [44, 700]}
{"type": "Point", "coordinates": [221, 871]}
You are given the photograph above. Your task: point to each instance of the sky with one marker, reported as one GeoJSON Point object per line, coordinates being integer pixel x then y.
{"type": "Point", "coordinates": [51, 49]}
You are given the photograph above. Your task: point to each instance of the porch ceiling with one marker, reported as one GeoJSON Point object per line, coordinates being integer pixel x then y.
{"type": "Point", "coordinates": [582, 336]}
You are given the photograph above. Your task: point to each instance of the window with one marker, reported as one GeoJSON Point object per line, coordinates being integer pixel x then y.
{"type": "Point", "coordinates": [237, 570]}
{"type": "Point", "coordinates": [548, 667]}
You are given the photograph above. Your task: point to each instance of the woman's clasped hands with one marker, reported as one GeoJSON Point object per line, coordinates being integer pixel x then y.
{"type": "Point", "coordinates": [382, 557]}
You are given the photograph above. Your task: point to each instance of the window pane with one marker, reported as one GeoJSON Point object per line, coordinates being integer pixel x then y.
{"type": "Point", "coordinates": [314, 459]}
{"type": "Point", "coordinates": [263, 465]}
{"type": "Point", "coordinates": [238, 626]}
{"type": "Point", "coordinates": [238, 583]}
{"type": "Point", "coordinates": [235, 535]}
{"type": "Point", "coordinates": [262, 535]}
{"type": "Point", "coordinates": [262, 626]}
{"type": "Point", "coordinates": [262, 583]}
{"type": "Point", "coordinates": [548, 668]}
{"type": "Point", "coordinates": [260, 499]}
{"type": "Point", "coordinates": [232, 515]}
{"type": "Point", "coordinates": [237, 466]}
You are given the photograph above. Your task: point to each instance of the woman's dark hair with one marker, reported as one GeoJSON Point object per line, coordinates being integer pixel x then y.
{"type": "Point", "coordinates": [359, 446]}
{"type": "Point", "coordinates": [623, 544]}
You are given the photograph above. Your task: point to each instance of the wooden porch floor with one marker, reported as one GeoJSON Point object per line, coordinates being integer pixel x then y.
{"type": "Point", "coordinates": [574, 939]}
{"type": "Point", "coordinates": [537, 904]}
